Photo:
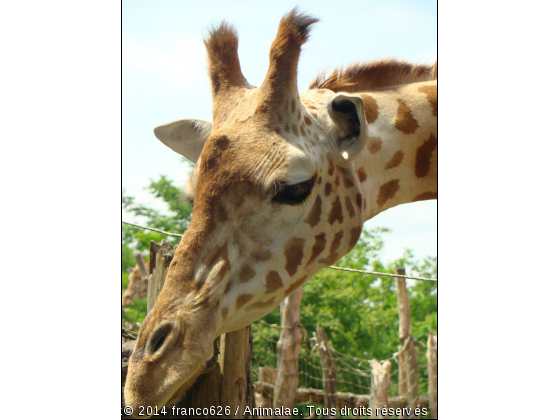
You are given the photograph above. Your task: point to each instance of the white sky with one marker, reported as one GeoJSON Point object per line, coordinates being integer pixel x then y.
{"type": "Point", "coordinates": [164, 77]}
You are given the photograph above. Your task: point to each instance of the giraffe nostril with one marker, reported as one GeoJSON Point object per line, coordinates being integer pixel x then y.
{"type": "Point", "coordinates": [159, 337]}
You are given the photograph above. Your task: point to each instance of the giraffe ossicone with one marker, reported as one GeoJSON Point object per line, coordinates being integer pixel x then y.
{"type": "Point", "coordinates": [281, 187]}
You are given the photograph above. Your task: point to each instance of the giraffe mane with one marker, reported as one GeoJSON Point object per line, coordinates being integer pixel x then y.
{"type": "Point", "coordinates": [373, 75]}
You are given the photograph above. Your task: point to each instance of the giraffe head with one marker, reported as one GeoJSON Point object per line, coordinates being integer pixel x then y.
{"type": "Point", "coordinates": [275, 199]}
{"type": "Point", "coordinates": [137, 287]}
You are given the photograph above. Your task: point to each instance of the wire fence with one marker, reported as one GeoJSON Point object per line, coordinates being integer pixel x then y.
{"type": "Point", "coordinates": [353, 375]}
{"type": "Point", "coordinates": [352, 270]}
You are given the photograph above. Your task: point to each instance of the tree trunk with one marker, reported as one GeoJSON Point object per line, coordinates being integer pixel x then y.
{"type": "Point", "coordinates": [432, 374]}
{"type": "Point", "coordinates": [329, 371]}
{"type": "Point", "coordinates": [288, 351]}
{"type": "Point", "coordinates": [380, 382]}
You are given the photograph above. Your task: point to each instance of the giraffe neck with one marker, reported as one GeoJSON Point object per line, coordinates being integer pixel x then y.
{"type": "Point", "coordinates": [399, 162]}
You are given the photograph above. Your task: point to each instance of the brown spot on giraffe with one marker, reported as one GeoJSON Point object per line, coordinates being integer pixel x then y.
{"type": "Point", "coordinates": [318, 247]}
{"type": "Point", "coordinates": [347, 182]}
{"type": "Point", "coordinates": [395, 160]}
{"type": "Point", "coordinates": [333, 256]}
{"type": "Point", "coordinates": [336, 212]}
{"type": "Point", "coordinates": [294, 254]}
{"type": "Point", "coordinates": [374, 144]}
{"type": "Point", "coordinates": [246, 274]}
{"type": "Point", "coordinates": [294, 286]}
{"type": "Point", "coordinates": [307, 120]}
{"type": "Point", "coordinates": [221, 213]}
{"type": "Point", "coordinates": [210, 163]}
{"type": "Point", "coordinates": [299, 114]}
{"type": "Point", "coordinates": [387, 191]}
{"type": "Point", "coordinates": [261, 304]}
{"type": "Point", "coordinates": [426, 196]}
{"type": "Point", "coordinates": [359, 200]}
{"type": "Point", "coordinates": [404, 121]}
{"type": "Point", "coordinates": [273, 282]}
{"type": "Point", "coordinates": [355, 235]}
{"type": "Point", "coordinates": [362, 174]}
{"type": "Point", "coordinates": [242, 300]}
{"type": "Point", "coordinates": [349, 207]}
{"type": "Point", "coordinates": [424, 156]}
{"type": "Point", "coordinates": [295, 130]}
{"type": "Point", "coordinates": [262, 255]}
{"type": "Point", "coordinates": [431, 93]}
{"type": "Point", "coordinates": [315, 213]}
{"type": "Point", "coordinates": [221, 143]}
{"type": "Point", "coordinates": [371, 108]}
{"type": "Point", "coordinates": [277, 130]}
{"type": "Point", "coordinates": [337, 180]}
{"type": "Point", "coordinates": [328, 189]}
{"type": "Point", "coordinates": [330, 171]}
{"type": "Point", "coordinates": [224, 313]}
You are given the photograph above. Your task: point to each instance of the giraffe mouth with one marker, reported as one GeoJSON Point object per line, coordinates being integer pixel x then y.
{"type": "Point", "coordinates": [180, 392]}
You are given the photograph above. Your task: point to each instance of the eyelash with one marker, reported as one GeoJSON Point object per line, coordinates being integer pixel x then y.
{"type": "Point", "coordinates": [294, 194]}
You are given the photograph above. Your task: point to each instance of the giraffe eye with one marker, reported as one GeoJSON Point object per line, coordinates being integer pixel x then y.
{"type": "Point", "coordinates": [294, 194]}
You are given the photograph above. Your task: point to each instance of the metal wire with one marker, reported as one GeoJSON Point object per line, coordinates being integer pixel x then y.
{"type": "Point", "coordinates": [352, 270]}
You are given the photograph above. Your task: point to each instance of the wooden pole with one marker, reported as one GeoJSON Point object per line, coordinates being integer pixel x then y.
{"type": "Point", "coordinates": [266, 375]}
{"type": "Point", "coordinates": [161, 256]}
{"type": "Point", "coordinates": [432, 374]}
{"type": "Point", "coordinates": [404, 328]}
{"type": "Point", "coordinates": [287, 349]}
{"type": "Point", "coordinates": [141, 265]}
{"type": "Point", "coordinates": [380, 382]}
{"type": "Point", "coordinates": [329, 371]}
{"type": "Point", "coordinates": [411, 363]}
{"type": "Point", "coordinates": [235, 366]}
{"type": "Point", "coordinates": [408, 372]}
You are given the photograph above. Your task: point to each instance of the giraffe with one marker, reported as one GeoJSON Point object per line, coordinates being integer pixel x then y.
{"type": "Point", "coordinates": [137, 287]}
{"type": "Point", "coordinates": [281, 187]}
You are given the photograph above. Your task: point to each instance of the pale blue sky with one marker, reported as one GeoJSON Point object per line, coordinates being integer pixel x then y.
{"type": "Point", "coordinates": [164, 77]}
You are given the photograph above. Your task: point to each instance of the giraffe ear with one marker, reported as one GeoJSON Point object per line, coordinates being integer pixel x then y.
{"type": "Point", "coordinates": [186, 137]}
{"type": "Point", "coordinates": [347, 112]}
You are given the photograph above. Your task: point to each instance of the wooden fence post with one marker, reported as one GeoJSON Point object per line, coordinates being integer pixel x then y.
{"type": "Point", "coordinates": [380, 382]}
{"type": "Point", "coordinates": [267, 375]}
{"type": "Point", "coordinates": [161, 256]}
{"type": "Point", "coordinates": [408, 372]}
{"type": "Point", "coordinates": [141, 265]}
{"type": "Point", "coordinates": [287, 349]}
{"type": "Point", "coordinates": [329, 371]}
{"type": "Point", "coordinates": [411, 363]}
{"type": "Point", "coordinates": [228, 382]}
{"type": "Point", "coordinates": [432, 374]}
